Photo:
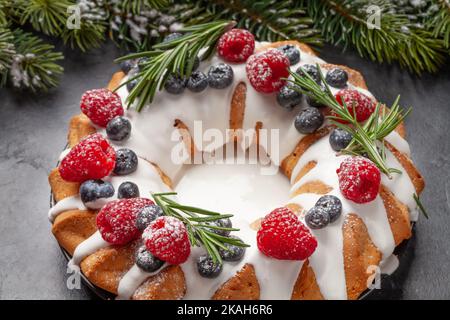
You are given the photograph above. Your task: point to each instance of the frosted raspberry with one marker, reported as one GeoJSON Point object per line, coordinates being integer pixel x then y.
{"type": "Point", "coordinates": [364, 106]}
{"type": "Point", "coordinates": [265, 70]}
{"type": "Point", "coordinates": [236, 45]}
{"type": "Point", "coordinates": [283, 236]}
{"type": "Point", "coordinates": [359, 179]}
{"type": "Point", "coordinates": [167, 239]}
{"type": "Point", "coordinates": [116, 220]}
{"type": "Point", "coordinates": [101, 105]}
{"type": "Point", "coordinates": [92, 158]}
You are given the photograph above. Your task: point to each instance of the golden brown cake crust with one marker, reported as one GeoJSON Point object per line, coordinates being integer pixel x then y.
{"type": "Point", "coordinates": [105, 267]}
{"type": "Point", "coordinates": [242, 286]}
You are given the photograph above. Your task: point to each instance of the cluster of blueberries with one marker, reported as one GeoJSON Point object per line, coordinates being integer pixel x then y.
{"type": "Point", "coordinates": [326, 210]}
{"type": "Point", "coordinates": [309, 119]}
{"type": "Point", "coordinates": [219, 76]}
{"type": "Point", "coordinates": [205, 264]}
{"type": "Point", "coordinates": [117, 129]}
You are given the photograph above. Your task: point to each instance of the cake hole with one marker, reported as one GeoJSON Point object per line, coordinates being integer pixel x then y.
{"type": "Point", "coordinates": [239, 189]}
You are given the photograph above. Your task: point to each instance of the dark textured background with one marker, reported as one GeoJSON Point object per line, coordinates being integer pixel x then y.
{"type": "Point", "coordinates": [33, 132]}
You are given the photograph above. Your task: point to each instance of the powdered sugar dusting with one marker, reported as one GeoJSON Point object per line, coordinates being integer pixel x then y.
{"type": "Point", "coordinates": [266, 70]}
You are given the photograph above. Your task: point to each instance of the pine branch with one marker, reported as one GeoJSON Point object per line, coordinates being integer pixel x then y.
{"type": "Point", "coordinates": [439, 23]}
{"type": "Point", "coordinates": [344, 22]}
{"type": "Point", "coordinates": [90, 35]}
{"type": "Point", "coordinates": [268, 20]}
{"type": "Point", "coordinates": [136, 6]}
{"type": "Point", "coordinates": [366, 137]}
{"type": "Point", "coordinates": [196, 221]}
{"type": "Point", "coordinates": [47, 16]}
{"type": "Point", "coordinates": [173, 57]}
{"type": "Point", "coordinates": [7, 52]}
{"type": "Point", "coordinates": [34, 63]}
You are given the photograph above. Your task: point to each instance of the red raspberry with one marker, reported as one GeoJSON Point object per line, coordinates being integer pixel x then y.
{"type": "Point", "coordinates": [364, 106]}
{"type": "Point", "coordinates": [116, 220]}
{"type": "Point", "coordinates": [359, 179]}
{"type": "Point", "coordinates": [236, 45]}
{"type": "Point", "coordinates": [101, 105]}
{"type": "Point", "coordinates": [92, 158]}
{"type": "Point", "coordinates": [167, 239]}
{"type": "Point", "coordinates": [283, 236]}
{"type": "Point", "coordinates": [265, 70]}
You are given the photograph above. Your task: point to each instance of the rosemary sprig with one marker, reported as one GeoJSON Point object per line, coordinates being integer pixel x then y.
{"type": "Point", "coordinates": [367, 137]}
{"type": "Point", "coordinates": [195, 219]}
{"type": "Point", "coordinates": [420, 205]}
{"type": "Point", "coordinates": [176, 56]}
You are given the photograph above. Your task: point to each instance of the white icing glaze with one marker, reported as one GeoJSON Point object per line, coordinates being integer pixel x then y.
{"type": "Point", "coordinates": [253, 195]}
{"type": "Point", "coordinates": [66, 204]}
{"type": "Point", "coordinates": [131, 281]}
{"type": "Point", "coordinates": [389, 265]}
{"type": "Point", "coordinates": [398, 142]}
{"type": "Point", "coordinates": [88, 247]}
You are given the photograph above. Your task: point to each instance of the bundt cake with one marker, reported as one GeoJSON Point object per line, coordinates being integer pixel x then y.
{"type": "Point", "coordinates": [322, 244]}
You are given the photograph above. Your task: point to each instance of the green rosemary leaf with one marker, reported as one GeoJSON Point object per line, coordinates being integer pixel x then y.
{"type": "Point", "coordinates": [196, 221]}
{"type": "Point", "coordinates": [420, 205]}
{"type": "Point", "coordinates": [211, 218]}
{"type": "Point", "coordinates": [217, 227]}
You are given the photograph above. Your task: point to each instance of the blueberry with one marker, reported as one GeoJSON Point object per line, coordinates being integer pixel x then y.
{"type": "Point", "coordinates": [118, 128]}
{"type": "Point", "coordinates": [126, 162]}
{"type": "Point", "coordinates": [207, 268]}
{"type": "Point", "coordinates": [317, 218]}
{"type": "Point", "coordinates": [128, 190]}
{"type": "Point", "coordinates": [92, 190]}
{"type": "Point", "coordinates": [339, 139]}
{"type": "Point", "coordinates": [126, 65]}
{"type": "Point", "coordinates": [220, 76]}
{"type": "Point", "coordinates": [291, 52]}
{"type": "Point", "coordinates": [308, 120]}
{"type": "Point", "coordinates": [234, 253]}
{"type": "Point", "coordinates": [146, 261]}
{"type": "Point", "coordinates": [146, 215]}
{"type": "Point", "coordinates": [198, 81]}
{"type": "Point", "coordinates": [311, 70]}
{"type": "Point", "coordinates": [337, 78]}
{"type": "Point", "coordinates": [332, 205]}
{"type": "Point", "coordinates": [175, 84]}
{"type": "Point", "coordinates": [289, 98]}
{"type": "Point", "coordinates": [224, 223]}
{"type": "Point", "coordinates": [172, 36]}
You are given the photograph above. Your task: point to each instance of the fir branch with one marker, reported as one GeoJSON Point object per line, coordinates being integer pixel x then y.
{"type": "Point", "coordinates": [199, 232]}
{"type": "Point", "coordinates": [344, 22]}
{"type": "Point", "coordinates": [367, 137]}
{"type": "Point", "coordinates": [174, 57]}
{"type": "Point", "coordinates": [47, 16]}
{"type": "Point", "coordinates": [439, 22]}
{"type": "Point", "coordinates": [89, 36]}
{"type": "Point", "coordinates": [136, 6]}
{"type": "Point", "coordinates": [268, 20]}
{"type": "Point", "coordinates": [3, 17]}
{"type": "Point", "coordinates": [34, 63]}
{"type": "Point", "coordinates": [7, 52]}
